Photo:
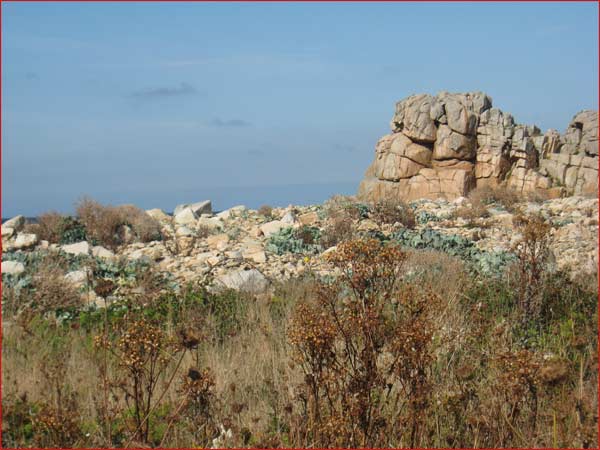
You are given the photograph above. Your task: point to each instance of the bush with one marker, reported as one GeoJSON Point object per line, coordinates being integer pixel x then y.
{"type": "Point", "coordinates": [338, 229]}
{"type": "Point", "coordinates": [112, 226]}
{"type": "Point", "coordinates": [393, 211]}
{"type": "Point", "coordinates": [483, 196]}
{"type": "Point", "coordinates": [347, 207]}
{"type": "Point", "coordinates": [289, 240]}
{"type": "Point", "coordinates": [266, 210]}
{"type": "Point", "coordinates": [362, 352]}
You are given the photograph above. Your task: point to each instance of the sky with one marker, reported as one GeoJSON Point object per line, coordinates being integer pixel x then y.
{"type": "Point", "coordinates": [158, 104]}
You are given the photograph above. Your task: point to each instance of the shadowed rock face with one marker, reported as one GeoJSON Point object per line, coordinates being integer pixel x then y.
{"type": "Point", "coordinates": [443, 146]}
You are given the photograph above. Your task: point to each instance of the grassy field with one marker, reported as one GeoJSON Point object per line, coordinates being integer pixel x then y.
{"type": "Point", "coordinates": [399, 349]}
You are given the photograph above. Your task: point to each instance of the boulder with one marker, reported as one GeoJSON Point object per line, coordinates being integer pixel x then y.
{"type": "Point", "coordinates": [199, 208]}
{"type": "Point", "coordinates": [12, 267]}
{"type": "Point", "coordinates": [24, 241]}
{"type": "Point", "coordinates": [16, 223]}
{"type": "Point", "coordinates": [272, 227]}
{"type": "Point", "coordinates": [7, 232]}
{"type": "Point", "coordinates": [100, 252]}
{"type": "Point", "coordinates": [80, 248]}
{"type": "Point", "coordinates": [186, 216]}
{"type": "Point", "coordinates": [158, 214]}
{"type": "Point", "coordinates": [251, 281]}
{"type": "Point", "coordinates": [77, 278]}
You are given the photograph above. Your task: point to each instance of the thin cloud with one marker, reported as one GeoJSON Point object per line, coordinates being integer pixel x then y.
{"type": "Point", "coordinates": [229, 123]}
{"type": "Point", "coordinates": [165, 91]}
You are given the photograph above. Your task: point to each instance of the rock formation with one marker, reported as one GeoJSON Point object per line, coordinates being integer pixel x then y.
{"type": "Point", "coordinates": [444, 146]}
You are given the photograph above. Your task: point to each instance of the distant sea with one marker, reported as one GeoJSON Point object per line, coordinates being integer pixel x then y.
{"type": "Point", "coordinates": [166, 199]}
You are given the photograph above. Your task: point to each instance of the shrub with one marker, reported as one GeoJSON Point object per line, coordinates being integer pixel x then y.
{"type": "Point", "coordinates": [483, 196]}
{"type": "Point", "coordinates": [364, 346]}
{"type": "Point", "coordinates": [347, 207]}
{"type": "Point", "coordinates": [49, 227]}
{"type": "Point", "coordinates": [338, 229]}
{"type": "Point", "coordinates": [112, 226]}
{"type": "Point", "coordinates": [289, 240]}
{"type": "Point", "coordinates": [532, 251]}
{"type": "Point", "coordinates": [393, 211]}
{"type": "Point", "coordinates": [266, 210]}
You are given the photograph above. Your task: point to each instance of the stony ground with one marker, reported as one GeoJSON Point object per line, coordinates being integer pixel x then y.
{"type": "Point", "coordinates": [237, 248]}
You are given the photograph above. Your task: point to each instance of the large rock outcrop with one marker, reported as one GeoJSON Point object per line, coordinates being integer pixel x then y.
{"type": "Point", "coordinates": [443, 146]}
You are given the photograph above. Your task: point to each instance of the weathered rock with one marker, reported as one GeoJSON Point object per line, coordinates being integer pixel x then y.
{"type": "Point", "coordinates": [217, 241]}
{"type": "Point", "coordinates": [469, 135]}
{"type": "Point", "coordinates": [16, 223]}
{"type": "Point", "coordinates": [453, 145]}
{"type": "Point", "coordinates": [158, 214]}
{"type": "Point", "coordinates": [214, 223]}
{"type": "Point", "coordinates": [199, 208]}
{"type": "Point", "coordinates": [251, 281]}
{"type": "Point", "coordinates": [272, 227]}
{"type": "Point", "coordinates": [12, 267]}
{"type": "Point", "coordinates": [413, 118]}
{"type": "Point", "coordinates": [101, 252]}
{"type": "Point", "coordinates": [77, 278]}
{"type": "Point", "coordinates": [7, 232]}
{"type": "Point", "coordinates": [309, 218]}
{"type": "Point", "coordinates": [24, 241]}
{"type": "Point", "coordinates": [186, 216]}
{"type": "Point", "coordinates": [79, 248]}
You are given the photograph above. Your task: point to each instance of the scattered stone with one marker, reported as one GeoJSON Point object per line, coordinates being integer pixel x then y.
{"type": "Point", "coordinates": [25, 240]}
{"type": "Point", "coordinates": [186, 216]}
{"type": "Point", "coordinates": [12, 267]}
{"type": "Point", "coordinates": [79, 248]}
{"type": "Point", "coordinates": [158, 214]}
{"type": "Point", "coordinates": [251, 281]}
{"type": "Point", "coordinates": [100, 252]}
{"type": "Point", "coordinates": [272, 227]}
{"type": "Point", "coordinates": [198, 208]}
{"type": "Point", "coordinates": [16, 223]}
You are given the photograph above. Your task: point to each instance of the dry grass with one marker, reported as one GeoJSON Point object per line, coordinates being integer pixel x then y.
{"type": "Point", "coordinates": [393, 211]}
{"type": "Point", "coordinates": [113, 226]}
{"type": "Point", "coordinates": [484, 379]}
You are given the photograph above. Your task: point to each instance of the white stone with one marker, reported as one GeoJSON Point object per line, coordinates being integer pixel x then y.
{"type": "Point", "coordinates": [198, 208]}
{"type": "Point", "coordinates": [100, 252]}
{"type": "Point", "coordinates": [17, 223]}
{"type": "Point", "coordinates": [25, 240]}
{"type": "Point", "coordinates": [244, 280]}
{"type": "Point", "coordinates": [272, 227]}
{"type": "Point", "coordinates": [7, 231]}
{"type": "Point", "coordinates": [158, 214]}
{"type": "Point", "coordinates": [186, 216]}
{"type": "Point", "coordinates": [210, 222]}
{"type": "Point", "coordinates": [79, 248]}
{"type": "Point", "coordinates": [77, 277]}
{"type": "Point", "coordinates": [12, 267]}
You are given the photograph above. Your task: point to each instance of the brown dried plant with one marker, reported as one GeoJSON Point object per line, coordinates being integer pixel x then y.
{"type": "Point", "coordinates": [364, 346]}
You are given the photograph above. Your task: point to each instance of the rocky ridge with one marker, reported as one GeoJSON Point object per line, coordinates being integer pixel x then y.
{"type": "Point", "coordinates": [443, 146]}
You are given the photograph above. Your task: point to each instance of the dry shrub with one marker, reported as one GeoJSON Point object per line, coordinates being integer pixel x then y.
{"type": "Point", "coordinates": [49, 227]}
{"type": "Point", "coordinates": [393, 211]}
{"type": "Point", "coordinates": [344, 206]}
{"type": "Point", "coordinates": [364, 346]}
{"type": "Point", "coordinates": [265, 210]}
{"type": "Point", "coordinates": [486, 195]}
{"type": "Point", "coordinates": [110, 225]}
{"type": "Point", "coordinates": [338, 229]}
{"type": "Point", "coordinates": [50, 292]}
{"type": "Point", "coordinates": [471, 213]}
{"type": "Point", "coordinates": [532, 251]}
{"type": "Point", "coordinates": [146, 228]}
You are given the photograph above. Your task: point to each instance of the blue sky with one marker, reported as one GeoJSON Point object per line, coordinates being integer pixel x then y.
{"type": "Point", "coordinates": [161, 103]}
